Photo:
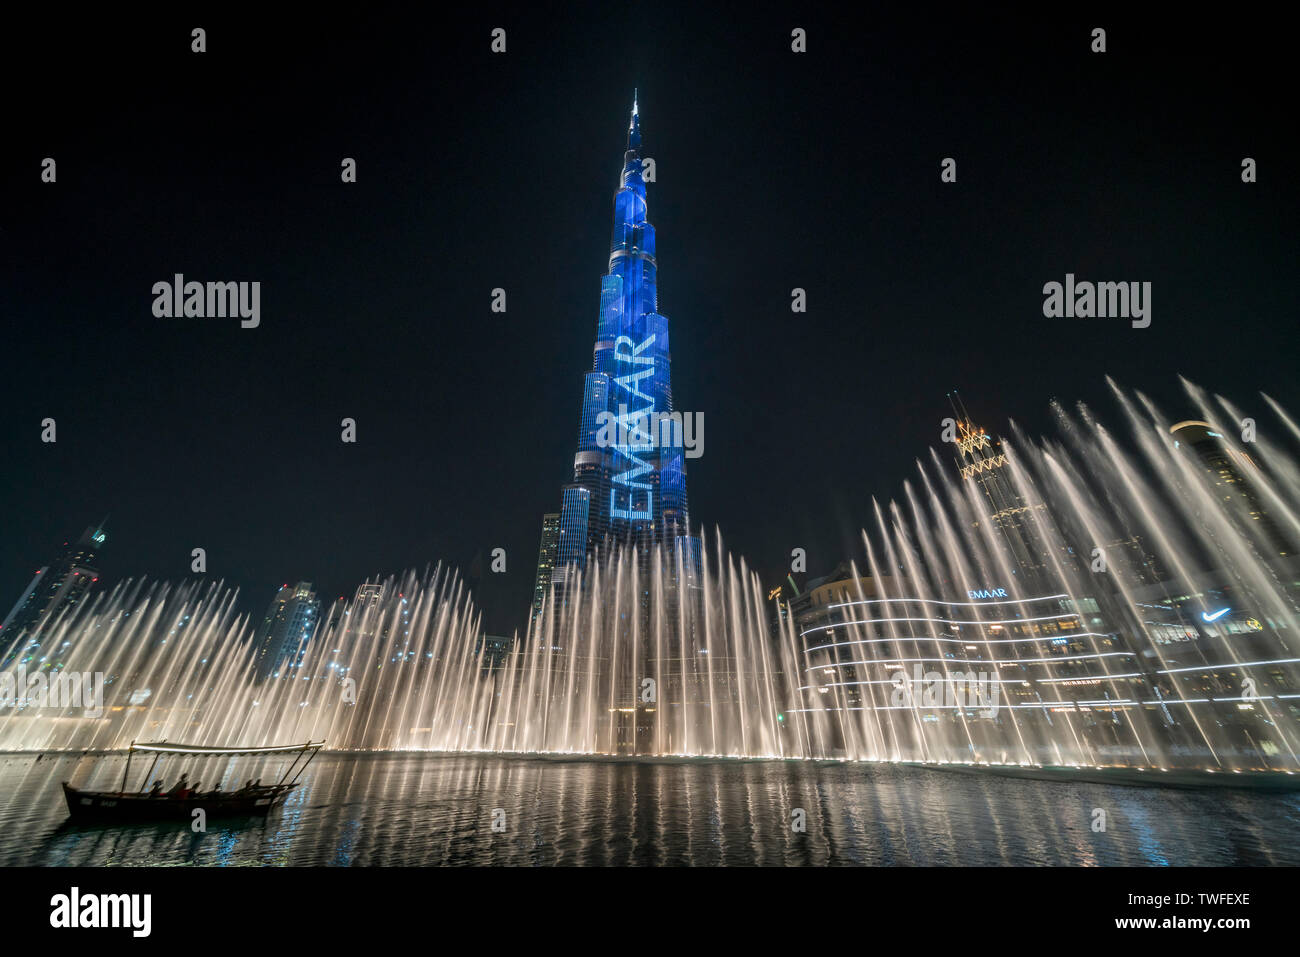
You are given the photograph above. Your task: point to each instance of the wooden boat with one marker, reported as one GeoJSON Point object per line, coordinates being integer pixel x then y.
{"type": "Point", "coordinates": [127, 805]}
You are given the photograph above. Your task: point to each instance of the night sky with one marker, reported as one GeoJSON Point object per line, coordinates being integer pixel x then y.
{"type": "Point", "coordinates": [476, 171]}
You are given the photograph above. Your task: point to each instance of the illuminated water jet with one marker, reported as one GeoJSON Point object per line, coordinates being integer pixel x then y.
{"type": "Point", "coordinates": [1132, 607]}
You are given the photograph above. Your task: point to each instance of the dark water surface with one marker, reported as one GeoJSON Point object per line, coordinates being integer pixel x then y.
{"type": "Point", "coordinates": [397, 809]}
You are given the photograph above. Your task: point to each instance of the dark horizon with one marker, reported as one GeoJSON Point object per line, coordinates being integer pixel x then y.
{"type": "Point", "coordinates": [478, 171]}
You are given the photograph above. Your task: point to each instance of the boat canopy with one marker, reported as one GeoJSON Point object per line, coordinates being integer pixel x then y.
{"type": "Point", "coordinates": [166, 747]}
{"type": "Point", "coordinates": [159, 748]}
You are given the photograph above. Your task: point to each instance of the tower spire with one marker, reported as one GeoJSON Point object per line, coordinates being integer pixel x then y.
{"type": "Point", "coordinates": [634, 125]}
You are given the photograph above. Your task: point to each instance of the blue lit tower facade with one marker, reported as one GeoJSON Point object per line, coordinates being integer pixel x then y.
{"type": "Point", "coordinates": [628, 487]}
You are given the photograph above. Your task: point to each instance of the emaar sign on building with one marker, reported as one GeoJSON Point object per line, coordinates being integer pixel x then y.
{"type": "Point", "coordinates": [984, 594]}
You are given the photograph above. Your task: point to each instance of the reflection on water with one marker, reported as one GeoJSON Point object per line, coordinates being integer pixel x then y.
{"type": "Point", "coordinates": [403, 809]}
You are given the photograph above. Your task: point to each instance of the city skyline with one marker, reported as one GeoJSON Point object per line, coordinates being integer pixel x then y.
{"type": "Point", "coordinates": [194, 435]}
{"type": "Point", "coordinates": [357, 368]}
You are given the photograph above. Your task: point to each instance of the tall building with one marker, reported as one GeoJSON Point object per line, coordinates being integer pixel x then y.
{"type": "Point", "coordinates": [55, 588]}
{"type": "Point", "coordinates": [546, 555]}
{"type": "Point", "coordinates": [983, 462]}
{"type": "Point", "coordinates": [629, 472]}
{"type": "Point", "coordinates": [629, 487]}
{"type": "Point", "coordinates": [291, 620]}
{"type": "Point", "coordinates": [338, 611]}
{"type": "Point", "coordinates": [492, 650]}
{"type": "Point", "coordinates": [365, 614]}
{"type": "Point", "coordinates": [1233, 475]}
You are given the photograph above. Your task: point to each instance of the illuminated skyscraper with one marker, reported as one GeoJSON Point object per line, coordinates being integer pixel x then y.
{"type": "Point", "coordinates": [983, 462]}
{"type": "Point", "coordinates": [55, 588]}
{"type": "Point", "coordinates": [1026, 530]}
{"type": "Point", "coordinates": [291, 620]}
{"type": "Point", "coordinates": [365, 614]}
{"type": "Point", "coordinates": [546, 556]}
{"type": "Point", "coordinates": [1233, 475]}
{"type": "Point", "coordinates": [628, 487]}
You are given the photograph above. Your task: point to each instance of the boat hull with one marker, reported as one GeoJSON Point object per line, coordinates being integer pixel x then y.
{"type": "Point", "coordinates": [113, 806]}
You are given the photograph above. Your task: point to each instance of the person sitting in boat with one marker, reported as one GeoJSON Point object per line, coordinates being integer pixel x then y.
{"type": "Point", "coordinates": [248, 786]}
{"type": "Point", "coordinates": [194, 791]}
{"type": "Point", "coordinates": [156, 790]}
{"type": "Point", "coordinates": [182, 788]}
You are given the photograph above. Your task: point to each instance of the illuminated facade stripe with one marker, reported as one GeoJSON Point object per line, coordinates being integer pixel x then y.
{"type": "Point", "coordinates": [1058, 705]}
{"type": "Point", "coordinates": [942, 621]}
{"type": "Point", "coordinates": [980, 661]}
{"type": "Point", "coordinates": [1230, 664]}
{"type": "Point", "coordinates": [935, 601]}
{"type": "Point", "coordinates": [955, 641]}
